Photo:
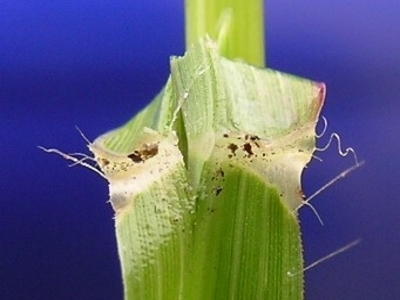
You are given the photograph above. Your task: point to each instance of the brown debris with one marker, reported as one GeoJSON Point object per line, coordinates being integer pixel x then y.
{"type": "Point", "coordinates": [144, 153]}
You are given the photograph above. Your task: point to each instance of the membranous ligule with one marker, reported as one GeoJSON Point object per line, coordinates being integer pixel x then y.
{"type": "Point", "coordinates": [116, 165]}
{"type": "Point", "coordinates": [130, 173]}
{"type": "Point", "coordinates": [278, 161]}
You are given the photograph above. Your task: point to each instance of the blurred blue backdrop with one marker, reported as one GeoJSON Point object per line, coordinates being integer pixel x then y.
{"type": "Point", "coordinates": [96, 63]}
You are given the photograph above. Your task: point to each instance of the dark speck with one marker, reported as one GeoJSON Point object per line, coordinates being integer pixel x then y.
{"type": "Point", "coordinates": [254, 138]}
{"type": "Point", "coordinates": [104, 162]}
{"type": "Point", "coordinates": [247, 148]}
{"type": "Point", "coordinates": [233, 148]}
{"type": "Point", "coordinates": [135, 157]}
{"type": "Point", "coordinates": [218, 190]}
{"type": "Point", "coordinates": [149, 151]}
{"type": "Point", "coordinates": [221, 172]}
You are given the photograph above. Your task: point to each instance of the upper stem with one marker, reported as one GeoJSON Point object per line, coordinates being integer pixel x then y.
{"type": "Point", "coordinates": [237, 26]}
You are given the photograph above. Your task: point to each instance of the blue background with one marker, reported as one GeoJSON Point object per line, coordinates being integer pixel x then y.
{"type": "Point", "coordinates": [96, 63]}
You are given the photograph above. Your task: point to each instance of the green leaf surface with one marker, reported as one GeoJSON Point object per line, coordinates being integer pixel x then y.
{"type": "Point", "coordinates": [205, 182]}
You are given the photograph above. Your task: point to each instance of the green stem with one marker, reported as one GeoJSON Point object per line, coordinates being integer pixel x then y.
{"type": "Point", "coordinates": [237, 25]}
